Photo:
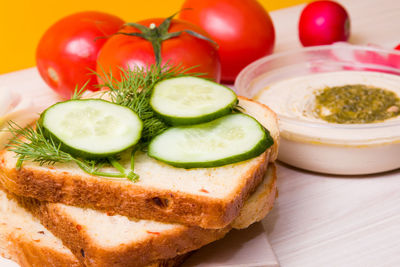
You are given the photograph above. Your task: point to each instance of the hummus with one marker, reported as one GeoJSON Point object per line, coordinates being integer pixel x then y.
{"type": "Point", "coordinates": [294, 102]}
{"type": "Point", "coordinates": [312, 143]}
{"type": "Point", "coordinates": [295, 98]}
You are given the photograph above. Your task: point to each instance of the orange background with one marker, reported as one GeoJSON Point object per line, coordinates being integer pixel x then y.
{"type": "Point", "coordinates": [23, 22]}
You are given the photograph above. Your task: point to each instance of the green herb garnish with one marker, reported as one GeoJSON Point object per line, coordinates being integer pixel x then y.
{"type": "Point", "coordinates": [356, 103]}
{"type": "Point", "coordinates": [78, 92]}
{"type": "Point", "coordinates": [37, 147]}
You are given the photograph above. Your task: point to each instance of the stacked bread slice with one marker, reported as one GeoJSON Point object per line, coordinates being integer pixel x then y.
{"type": "Point", "coordinates": [69, 218]}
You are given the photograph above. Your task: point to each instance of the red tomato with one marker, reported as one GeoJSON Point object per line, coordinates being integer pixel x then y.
{"type": "Point", "coordinates": [242, 29]}
{"type": "Point", "coordinates": [323, 23]}
{"type": "Point", "coordinates": [130, 51]}
{"type": "Point", "coordinates": [68, 50]}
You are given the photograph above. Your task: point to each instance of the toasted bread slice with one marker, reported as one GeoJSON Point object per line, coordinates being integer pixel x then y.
{"type": "Point", "coordinates": [27, 242]}
{"type": "Point", "coordinates": [98, 239]}
{"type": "Point", "coordinates": [204, 197]}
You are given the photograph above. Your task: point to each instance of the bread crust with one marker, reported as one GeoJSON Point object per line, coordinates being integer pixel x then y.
{"type": "Point", "coordinates": [253, 110]}
{"type": "Point", "coordinates": [260, 202]}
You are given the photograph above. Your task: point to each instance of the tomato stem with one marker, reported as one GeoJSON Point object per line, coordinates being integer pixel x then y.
{"type": "Point", "coordinates": [156, 35]}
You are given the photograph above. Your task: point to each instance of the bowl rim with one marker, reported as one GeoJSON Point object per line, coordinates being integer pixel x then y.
{"type": "Point", "coordinates": [340, 45]}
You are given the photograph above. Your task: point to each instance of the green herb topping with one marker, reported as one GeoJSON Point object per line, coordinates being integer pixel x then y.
{"type": "Point", "coordinates": [356, 103]}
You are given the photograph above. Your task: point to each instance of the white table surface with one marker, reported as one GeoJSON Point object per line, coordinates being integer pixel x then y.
{"type": "Point", "coordinates": [321, 220]}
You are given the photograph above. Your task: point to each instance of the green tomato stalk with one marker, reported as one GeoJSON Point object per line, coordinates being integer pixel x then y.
{"type": "Point", "coordinates": [156, 35]}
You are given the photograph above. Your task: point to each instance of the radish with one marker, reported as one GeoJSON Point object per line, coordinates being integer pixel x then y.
{"type": "Point", "coordinates": [322, 23]}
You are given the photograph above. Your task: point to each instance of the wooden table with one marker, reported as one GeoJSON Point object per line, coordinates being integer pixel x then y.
{"type": "Point", "coordinates": [322, 220]}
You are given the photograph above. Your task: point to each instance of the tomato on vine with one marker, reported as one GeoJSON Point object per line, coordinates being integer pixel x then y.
{"type": "Point", "coordinates": [160, 41]}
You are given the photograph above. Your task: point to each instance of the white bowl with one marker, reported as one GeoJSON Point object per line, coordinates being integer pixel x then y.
{"type": "Point", "coordinates": [344, 149]}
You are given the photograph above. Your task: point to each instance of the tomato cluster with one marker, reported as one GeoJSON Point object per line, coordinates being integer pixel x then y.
{"type": "Point", "coordinates": [213, 37]}
{"type": "Point", "coordinates": [76, 46]}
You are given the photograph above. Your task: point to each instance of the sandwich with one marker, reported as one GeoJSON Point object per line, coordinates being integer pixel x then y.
{"type": "Point", "coordinates": [174, 194]}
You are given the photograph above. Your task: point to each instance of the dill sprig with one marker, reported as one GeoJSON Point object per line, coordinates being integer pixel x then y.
{"type": "Point", "coordinates": [78, 92]}
{"type": "Point", "coordinates": [32, 144]}
{"type": "Point", "coordinates": [35, 146]}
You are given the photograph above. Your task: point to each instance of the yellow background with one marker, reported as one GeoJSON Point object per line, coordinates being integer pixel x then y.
{"type": "Point", "coordinates": [23, 22]}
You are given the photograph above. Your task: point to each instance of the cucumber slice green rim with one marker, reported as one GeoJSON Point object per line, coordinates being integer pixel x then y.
{"type": "Point", "coordinates": [191, 100]}
{"type": "Point", "coordinates": [91, 128]}
{"type": "Point", "coordinates": [229, 139]}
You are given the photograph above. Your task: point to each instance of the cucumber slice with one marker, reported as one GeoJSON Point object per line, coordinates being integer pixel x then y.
{"type": "Point", "coordinates": [92, 128]}
{"type": "Point", "coordinates": [232, 138]}
{"type": "Point", "coordinates": [191, 100]}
